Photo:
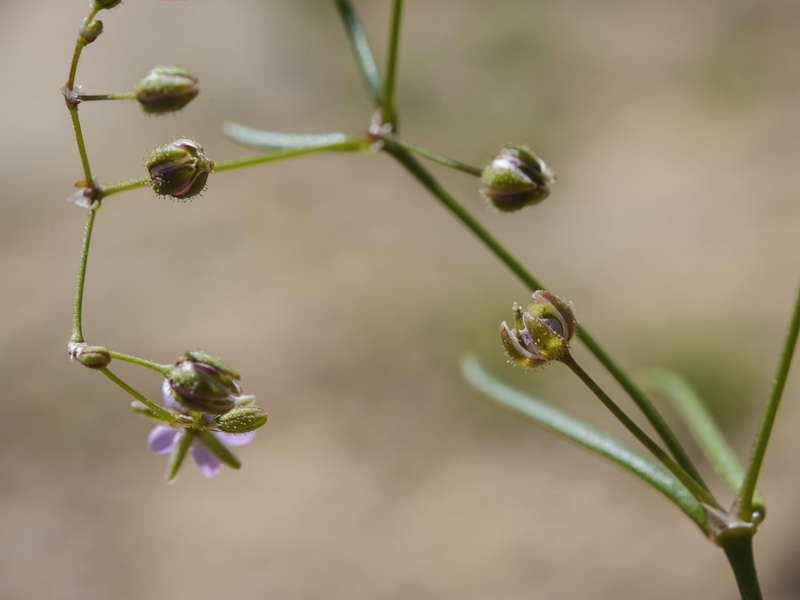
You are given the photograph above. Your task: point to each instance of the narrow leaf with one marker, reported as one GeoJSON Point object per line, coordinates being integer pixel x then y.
{"type": "Point", "coordinates": [360, 45]}
{"type": "Point", "coordinates": [274, 140]}
{"type": "Point", "coordinates": [584, 435]}
{"type": "Point", "coordinates": [703, 427]}
{"type": "Point", "coordinates": [182, 444]}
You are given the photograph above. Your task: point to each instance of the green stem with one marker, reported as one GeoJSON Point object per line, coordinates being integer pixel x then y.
{"type": "Point", "coordinates": [739, 550]}
{"type": "Point", "coordinates": [437, 158]}
{"type": "Point", "coordinates": [141, 362]}
{"type": "Point", "coordinates": [348, 146]}
{"type": "Point", "coordinates": [744, 499]}
{"type": "Point", "coordinates": [162, 414]}
{"type": "Point", "coordinates": [636, 394]}
{"type": "Point", "coordinates": [696, 490]}
{"type": "Point", "coordinates": [361, 49]}
{"type": "Point", "coordinates": [77, 327]}
{"type": "Point", "coordinates": [76, 126]}
{"type": "Point", "coordinates": [123, 186]}
{"type": "Point", "coordinates": [80, 44]}
{"type": "Point", "coordinates": [89, 98]}
{"type": "Point", "coordinates": [387, 111]}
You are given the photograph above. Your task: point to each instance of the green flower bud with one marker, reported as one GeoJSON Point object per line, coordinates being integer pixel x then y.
{"type": "Point", "coordinates": [202, 382]}
{"type": "Point", "coordinates": [92, 357]}
{"type": "Point", "coordinates": [241, 419]}
{"type": "Point", "coordinates": [179, 169]}
{"type": "Point", "coordinates": [165, 89]}
{"type": "Point", "coordinates": [89, 32]}
{"type": "Point", "coordinates": [101, 4]}
{"type": "Point", "coordinates": [540, 332]}
{"type": "Point", "coordinates": [515, 178]}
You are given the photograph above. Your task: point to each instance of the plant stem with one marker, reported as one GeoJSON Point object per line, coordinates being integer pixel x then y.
{"type": "Point", "coordinates": [437, 158]}
{"type": "Point", "coordinates": [348, 146]}
{"type": "Point", "coordinates": [141, 362]}
{"type": "Point", "coordinates": [739, 550]}
{"type": "Point", "coordinates": [76, 126]}
{"type": "Point", "coordinates": [697, 491]}
{"type": "Point", "coordinates": [162, 414]}
{"type": "Point", "coordinates": [80, 44]}
{"type": "Point", "coordinates": [123, 186]}
{"type": "Point", "coordinates": [387, 111]}
{"type": "Point", "coordinates": [624, 380]}
{"type": "Point", "coordinates": [361, 49]}
{"type": "Point", "coordinates": [77, 327]}
{"type": "Point", "coordinates": [90, 97]}
{"type": "Point", "coordinates": [744, 499]}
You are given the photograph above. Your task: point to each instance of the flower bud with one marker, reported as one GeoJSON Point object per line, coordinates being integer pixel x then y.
{"type": "Point", "coordinates": [540, 332]}
{"type": "Point", "coordinates": [101, 4]}
{"type": "Point", "coordinates": [203, 383]}
{"type": "Point", "coordinates": [165, 89]}
{"type": "Point", "coordinates": [515, 178]}
{"type": "Point", "coordinates": [90, 31]}
{"type": "Point", "coordinates": [241, 419]}
{"type": "Point", "coordinates": [179, 169]}
{"type": "Point", "coordinates": [92, 357]}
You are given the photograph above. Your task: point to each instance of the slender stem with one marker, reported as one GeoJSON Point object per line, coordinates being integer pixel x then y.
{"type": "Point", "coordinates": [348, 146]}
{"type": "Point", "coordinates": [162, 414]}
{"type": "Point", "coordinates": [89, 98]}
{"type": "Point", "coordinates": [76, 126]}
{"type": "Point", "coordinates": [140, 361]}
{"type": "Point", "coordinates": [388, 113]}
{"type": "Point", "coordinates": [744, 499]}
{"type": "Point", "coordinates": [123, 186]}
{"type": "Point", "coordinates": [361, 49]}
{"type": "Point", "coordinates": [636, 394]}
{"type": "Point", "coordinates": [739, 550]}
{"type": "Point", "coordinates": [80, 44]}
{"type": "Point", "coordinates": [77, 327]}
{"type": "Point", "coordinates": [697, 491]}
{"type": "Point", "coordinates": [437, 158]}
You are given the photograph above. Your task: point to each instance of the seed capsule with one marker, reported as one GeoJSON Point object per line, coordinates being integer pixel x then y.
{"type": "Point", "coordinates": [515, 178]}
{"type": "Point", "coordinates": [165, 89]}
{"type": "Point", "coordinates": [179, 169]}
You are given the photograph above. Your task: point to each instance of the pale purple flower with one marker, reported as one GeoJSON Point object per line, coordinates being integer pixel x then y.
{"type": "Point", "coordinates": [163, 438]}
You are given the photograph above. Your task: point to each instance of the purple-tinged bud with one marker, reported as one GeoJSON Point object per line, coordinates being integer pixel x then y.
{"type": "Point", "coordinates": [179, 169]}
{"type": "Point", "coordinates": [165, 89]}
{"type": "Point", "coordinates": [92, 357]}
{"type": "Point", "coordinates": [540, 332]}
{"type": "Point", "coordinates": [90, 31]}
{"type": "Point", "coordinates": [204, 383]}
{"type": "Point", "coordinates": [101, 4]}
{"type": "Point", "coordinates": [515, 178]}
{"type": "Point", "coordinates": [241, 419]}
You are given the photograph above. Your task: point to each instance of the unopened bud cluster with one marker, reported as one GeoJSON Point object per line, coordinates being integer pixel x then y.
{"type": "Point", "coordinates": [515, 178]}
{"type": "Point", "coordinates": [540, 332]}
{"type": "Point", "coordinates": [202, 383]}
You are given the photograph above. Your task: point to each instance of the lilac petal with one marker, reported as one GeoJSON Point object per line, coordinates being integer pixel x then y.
{"type": "Point", "coordinates": [236, 439]}
{"type": "Point", "coordinates": [161, 439]}
{"type": "Point", "coordinates": [169, 401]}
{"type": "Point", "coordinates": [206, 461]}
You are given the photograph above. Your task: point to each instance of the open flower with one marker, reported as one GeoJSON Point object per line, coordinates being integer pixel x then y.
{"type": "Point", "coordinates": [208, 449]}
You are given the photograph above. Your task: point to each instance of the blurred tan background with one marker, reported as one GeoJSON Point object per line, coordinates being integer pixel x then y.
{"type": "Point", "coordinates": [346, 296]}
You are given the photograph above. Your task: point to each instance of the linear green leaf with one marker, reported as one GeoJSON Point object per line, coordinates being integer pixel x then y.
{"type": "Point", "coordinates": [274, 140]}
{"type": "Point", "coordinates": [594, 440]}
{"type": "Point", "coordinates": [219, 449]}
{"type": "Point", "coordinates": [364, 56]}
{"type": "Point", "coordinates": [703, 428]}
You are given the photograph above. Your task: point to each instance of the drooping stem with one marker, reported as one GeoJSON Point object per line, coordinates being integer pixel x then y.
{"type": "Point", "coordinates": [437, 158]}
{"type": "Point", "coordinates": [387, 111]}
{"type": "Point", "coordinates": [162, 414]}
{"type": "Point", "coordinates": [697, 491]}
{"type": "Point", "coordinates": [140, 361]}
{"type": "Point", "coordinates": [500, 251]}
{"type": "Point", "coordinates": [744, 499]}
{"type": "Point", "coordinates": [739, 550]}
{"type": "Point", "coordinates": [77, 326]}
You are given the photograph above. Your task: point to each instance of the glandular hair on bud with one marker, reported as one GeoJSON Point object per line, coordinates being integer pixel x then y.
{"type": "Point", "coordinates": [241, 419]}
{"type": "Point", "coordinates": [179, 169]}
{"type": "Point", "coordinates": [165, 89]}
{"type": "Point", "coordinates": [90, 31]}
{"type": "Point", "coordinates": [93, 357]}
{"type": "Point", "coordinates": [515, 178]}
{"type": "Point", "coordinates": [101, 4]}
